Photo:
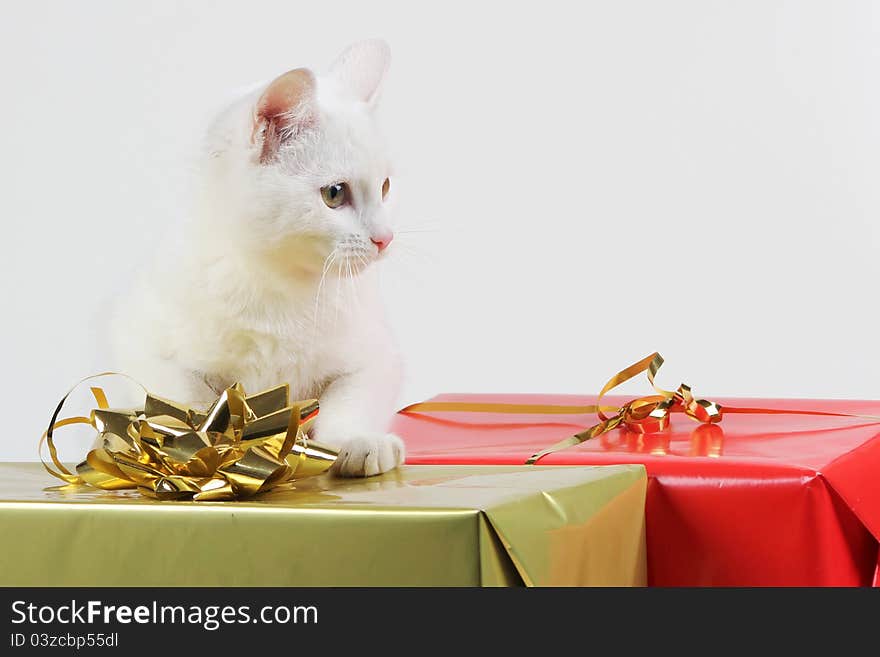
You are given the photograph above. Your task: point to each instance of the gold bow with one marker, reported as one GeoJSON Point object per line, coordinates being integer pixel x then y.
{"type": "Point", "coordinates": [243, 445]}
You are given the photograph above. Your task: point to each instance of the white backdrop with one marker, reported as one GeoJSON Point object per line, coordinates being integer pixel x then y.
{"type": "Point", "coordinates": [589, 181]}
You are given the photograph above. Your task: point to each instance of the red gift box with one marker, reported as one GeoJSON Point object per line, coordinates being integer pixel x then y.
{"type": "Point", "coordinates": [760, 499]}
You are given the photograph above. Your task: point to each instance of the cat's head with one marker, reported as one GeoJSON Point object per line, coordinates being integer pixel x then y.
{"type": "Point", "coordinates": [297, 173]}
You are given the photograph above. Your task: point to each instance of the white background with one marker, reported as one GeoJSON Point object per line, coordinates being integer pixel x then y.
{"type": "Point", "coordinates": [592, 181]}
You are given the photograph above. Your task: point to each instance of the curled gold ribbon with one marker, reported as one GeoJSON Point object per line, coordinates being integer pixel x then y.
{"type": "Point", "coordinates": [242, 445]}
{"type": "Point", "coordinates": [647, 414]}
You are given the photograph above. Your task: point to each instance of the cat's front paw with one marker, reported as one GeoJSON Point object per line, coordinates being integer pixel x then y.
{"type": "Point", "coordinates": [368, 455]}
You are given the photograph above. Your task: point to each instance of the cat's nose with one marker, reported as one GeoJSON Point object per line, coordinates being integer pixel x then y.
{"type": "Point", "coordinates": [382, 240]}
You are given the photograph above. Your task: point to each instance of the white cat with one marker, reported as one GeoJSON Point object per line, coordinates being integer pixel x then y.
{"type": "Point", "coordinates": [274, 281]}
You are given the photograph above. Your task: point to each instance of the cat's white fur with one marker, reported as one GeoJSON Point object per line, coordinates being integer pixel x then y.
{"type": "Point", "coordinates": [271, 285]}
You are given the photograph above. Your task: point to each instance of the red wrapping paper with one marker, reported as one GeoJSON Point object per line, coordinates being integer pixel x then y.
{"type": "Point", "coordinates": [757, 500]}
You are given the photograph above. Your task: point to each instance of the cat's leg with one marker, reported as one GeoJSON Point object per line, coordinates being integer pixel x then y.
{"type": "Point", "coordinates": [355, 412]}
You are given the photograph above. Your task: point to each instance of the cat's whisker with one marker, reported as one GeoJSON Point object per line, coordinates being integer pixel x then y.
{"type": "Point", "coordinates": [336, 304]}
{"type": "Point", "coordinates": [328, 263]}
{"type": "Point", "coordinates": [411, 225]}
{"type": "Point", "coordinates": [406, 245]}
{"type": "Point", "coordinates": [412, 251]}
{"type": "Point", "coordinates": [352, 288]}
{"type": "Point", "coordinates": [407, 267]}
{"type": "Point", "coordinates": [363, 264]}
{"type": "Point", "coordinates": [411, 231]}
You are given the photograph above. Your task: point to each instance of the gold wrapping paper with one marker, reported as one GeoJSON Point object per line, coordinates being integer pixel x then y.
{"type": "Point", "coordinates": [415, 526]}
{"type": "Point", "coordinates": [242, 445]}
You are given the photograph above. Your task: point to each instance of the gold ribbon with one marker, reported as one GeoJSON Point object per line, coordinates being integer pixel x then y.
{"type": "Point", "coordinates": [242, 445]}
{"type": "Point", "coordinates": [647, 414]}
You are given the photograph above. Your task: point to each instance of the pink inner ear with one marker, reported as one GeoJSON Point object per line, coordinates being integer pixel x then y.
{"type": "Point", "coordinates": [282, 109]}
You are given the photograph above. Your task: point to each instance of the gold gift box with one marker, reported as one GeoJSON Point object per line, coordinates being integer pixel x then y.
{"type": "Point", "coordinates": [415, 526]}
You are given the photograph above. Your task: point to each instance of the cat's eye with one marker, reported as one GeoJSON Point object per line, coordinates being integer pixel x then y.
{"type": "Point", "coordinates": [336, 195]}
{"type": "Point", "coordinates": [385, 187]}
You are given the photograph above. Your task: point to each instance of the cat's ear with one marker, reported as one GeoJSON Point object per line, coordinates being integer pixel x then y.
{"type": "Point", "coordinates": [361, 68]}
{"type": "Point", "coordinates": [286, 107]}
